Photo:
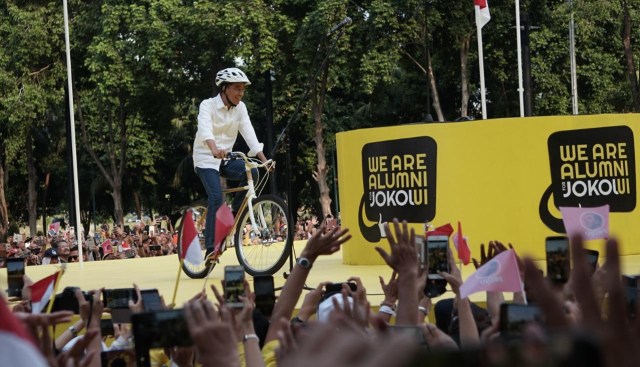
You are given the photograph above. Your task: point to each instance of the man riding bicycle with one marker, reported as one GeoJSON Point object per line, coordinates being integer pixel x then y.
{"type": "Point", "coordinates": [219, 120]}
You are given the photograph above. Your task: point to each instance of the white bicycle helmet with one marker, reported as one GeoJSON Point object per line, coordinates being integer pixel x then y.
{"type": "Point", "coordinates": [231, 75]}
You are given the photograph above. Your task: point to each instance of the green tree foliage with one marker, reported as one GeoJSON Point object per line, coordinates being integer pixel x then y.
{"type": "Point", "coordinates": [141, 69]}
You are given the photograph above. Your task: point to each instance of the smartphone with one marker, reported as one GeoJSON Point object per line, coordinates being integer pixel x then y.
{"type": "Point", "coordinates": [437, 248]}
{"type": "Point", "coordinates": [333, 288]}
{"type": "Point", "coordinates": [592, 259]}
{"type": "Point", "coordinates": [151, 300]}
{"type": "Point", "coordinates": [106, 327]}
{"type": "Point", "coordinates": [158, 329]}
{"type": "Point", "coordinates": [422, 252]}
{"type": "Point", "coordinates": [233, 285]}
{"type": "Point", "coordinates": [15, 276]}
{"type": "Point", "coordinates": [154, 247]}
{"type": "Point", "coordinates": [514, 317]}
{"type": "Point", "coordinates": [118, 357]}
{"type": "Point", "coordinates": [414, 332]}
{"type": "Point", "coordinates": [118, 301]}
{"type": "Point", "coordinates": [265, 292]}
{"type": "Point", "coordinates": [558, 259]}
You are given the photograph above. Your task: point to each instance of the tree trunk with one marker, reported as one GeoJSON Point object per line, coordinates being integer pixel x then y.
{"type": "Point", "coordinates": [434, 91]}
{"type": "Point", "coordinates": [320, 175]}
{"type": "Point", "coordinates": [116, 194]}
{"type": "Point", "coordinates": [32, 195]}
{"type": "Point", "coordinates": [138, 204]}
{"type": "Point", "coordinates": [464, 75]}
{"type": "Point", "coordinates": [628, 54]}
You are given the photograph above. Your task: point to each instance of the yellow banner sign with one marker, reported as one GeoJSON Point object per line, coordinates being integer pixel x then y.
{"type": "Point", "coordinates": [503, 179]}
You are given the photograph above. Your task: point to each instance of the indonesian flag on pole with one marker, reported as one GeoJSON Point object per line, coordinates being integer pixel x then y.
{"type": "Point", "coordinates": [500, 274]}
{"type": "Point", "coordinates": [590, 223]}
{"type": "Point", "coordinates": [460, 241]}
{"type": "Point", "coordinates": [188, 240]}
{"type": "Point", "coordinates": [483, 11]}
{"type": "Point", "coordinates": [42, 291]}
{"type": "Point", "coordinates": [17, 346]}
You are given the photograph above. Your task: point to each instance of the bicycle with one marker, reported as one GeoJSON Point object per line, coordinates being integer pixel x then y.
{"type": "Point", "coordinates": [260, 232]}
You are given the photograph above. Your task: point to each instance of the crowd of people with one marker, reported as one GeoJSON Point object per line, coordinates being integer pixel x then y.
{"type": "Point", "coordinates": [587, 321]}
{"type": "Point", "coordinates": [119, 242]}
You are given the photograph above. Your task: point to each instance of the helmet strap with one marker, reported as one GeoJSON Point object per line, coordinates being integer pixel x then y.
{"type": "Point", "coordinates": [226, 97]}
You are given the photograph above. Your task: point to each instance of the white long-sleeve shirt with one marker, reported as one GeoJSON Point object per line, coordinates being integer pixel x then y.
{"type": "Point", "coordinates": [221, 124]}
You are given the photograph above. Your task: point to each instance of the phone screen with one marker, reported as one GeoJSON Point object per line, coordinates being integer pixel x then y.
{"type": "Point", "coordinates": [422, 252]}
{"type": "Point", "coordinates": [558, 259]}
{"type": "Point", "coordinates": [15, 276]}
{"type": "Point", "coordinates": [151, 300]}
{"type": "Point", "coordinates": [514, 317]}
{"type": "Point", "coordinates": [265, 294]}
{"type": "Point", "coordinates": [158, 329]}
{"type": "Point", "coordinates": [119, 297]}
{"type": "Point", "coordinates": [437, 247]}
{"type": "Point", "coordinates": [233, 286]}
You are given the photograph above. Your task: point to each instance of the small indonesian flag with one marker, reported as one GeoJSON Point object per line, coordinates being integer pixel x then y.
{"type": "Point", "coordinates": [42, 292]}
{"type": "Point", "coordinates": [483, 12]}
{"type": "Point", "coordinates": [460, 241]}
{"type": "Point", "coordinates": [444, 230]}
{"type": "Point", "coordinates": [17, 346]}
{"type": "Point", "coordinates": [500, 274]}
{"type": "Point", "coordinates": [224, 223]}
{"type": "Point", "coordinates": [107, 248]}
{"type": "Point", "coordinates": [188, 240]}
{"type": "Point", "coordinates": [54, 228]}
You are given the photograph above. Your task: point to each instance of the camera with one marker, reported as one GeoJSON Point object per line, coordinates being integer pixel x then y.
{"type": "Point", "coordinates": [67, 301]}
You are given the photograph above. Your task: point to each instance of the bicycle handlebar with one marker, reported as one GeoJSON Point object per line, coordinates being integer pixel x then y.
{"type": "Point", "coordinates": [248, 160]}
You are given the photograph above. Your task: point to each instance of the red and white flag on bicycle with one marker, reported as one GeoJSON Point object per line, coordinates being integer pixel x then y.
{"type": "Point", "coordinates": [42, 292]}
{"type": "Point", "coordinates": [224, 224]}
{"type": "Point", "coordinates": [188, 240]}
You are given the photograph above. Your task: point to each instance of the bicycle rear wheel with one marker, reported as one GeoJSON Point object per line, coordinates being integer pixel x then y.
{"type": "Point", "coordinates": [196, 271]}
{"type": "Point", "coordinates": [264, 249]}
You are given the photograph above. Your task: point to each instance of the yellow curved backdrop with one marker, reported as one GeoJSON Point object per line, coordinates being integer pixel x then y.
{"type": "Point", "coordinates": [490, 175]}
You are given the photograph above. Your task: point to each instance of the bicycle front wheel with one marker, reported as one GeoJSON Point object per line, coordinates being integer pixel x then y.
{"type": "Point", "coordinates": [263, 249]}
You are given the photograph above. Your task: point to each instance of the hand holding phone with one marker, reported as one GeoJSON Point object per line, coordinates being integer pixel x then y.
{"type": "Point", "coordinates": [514, 317]}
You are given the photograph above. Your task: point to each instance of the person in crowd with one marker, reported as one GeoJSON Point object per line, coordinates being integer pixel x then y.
{"type": "Point", "coordinates": [220, 119]}
{"type": "Point", "coordinates": [50, 257]}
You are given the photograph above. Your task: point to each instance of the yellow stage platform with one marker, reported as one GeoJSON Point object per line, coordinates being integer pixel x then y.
{"type": "Point", "coordinates": [161, 272]}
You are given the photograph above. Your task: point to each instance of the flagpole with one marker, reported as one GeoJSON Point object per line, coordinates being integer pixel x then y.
{"type": "Point", "coordinates": [481, 62]}
{"type": "Point", "coordinates": [175, 289]}
{"type": "Point", "coordinates": [572, 56]}
{"type": "Point", "coordinates": [74, 157]}
{"type": "Point", "coordinates": [55, 288]}
{"type": "Point", "coordinates": [519, 41]}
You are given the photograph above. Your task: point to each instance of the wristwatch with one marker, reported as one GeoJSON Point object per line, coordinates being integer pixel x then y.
{"type": "Point", "coordinates": [73, 331]}
{"type": "Point", "coordinates": [304, 262]}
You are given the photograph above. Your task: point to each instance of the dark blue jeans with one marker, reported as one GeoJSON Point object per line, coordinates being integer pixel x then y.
{"type": "Point", "coordinates": [234, 171]}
